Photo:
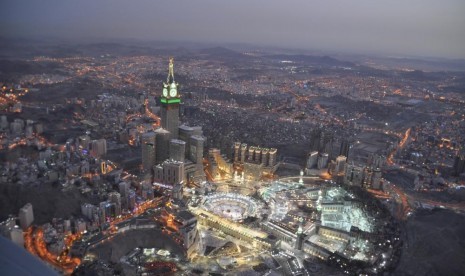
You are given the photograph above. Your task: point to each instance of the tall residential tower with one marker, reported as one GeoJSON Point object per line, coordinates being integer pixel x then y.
{"type": "Point", "coordinates": [148, 151]}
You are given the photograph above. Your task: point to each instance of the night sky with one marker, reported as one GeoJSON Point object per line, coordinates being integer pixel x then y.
{"type": "Point", "coordinates": [396, 27]}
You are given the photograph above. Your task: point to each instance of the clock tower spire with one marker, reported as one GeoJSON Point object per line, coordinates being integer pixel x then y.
{"type": "Point", "coordinates": [170, 71]}
{"type": "Point", "coordinates": [170, 101]}
{"type": "Point", "coordinates": [170, 87]}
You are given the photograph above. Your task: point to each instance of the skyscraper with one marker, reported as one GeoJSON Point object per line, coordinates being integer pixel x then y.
{"type": "Point", "coordinates": [17, 236]}
{"type": "Point", "coordinates": [340, 164]}
{"type": "Point", "coordinates": [312, 160]}
{"type": "Point", "coordinates": [26, 216]}
{"type": "Point", "coordinates": [162, 145]}
{"type": "Point", "coordinates": [169, 172]}
{"type": "Point", "coordinates": [323, 161]}
{"type": "Point", "coordinates": [345, 147]}
{"type": "Point", "coordinates": [177, 150]}
{"type": "Point", "coordinates": [98, 147]}
{"type": "Point", "coordinates": [131, 200]}
{"type": "Point", "coordinates": [170, 101]}
{"type": "Point", "coordinates": [185, 134]}
{"type": "Point", "coordinates": [102, 212]}
{"type": "Point", "coordinates": [353, 175]}
{"type": "Point", "coordinates": [272, 157]}
{"type": "Point", "coordinates": [148, 151]}
{"type": "Point", "coordinates": [124, 192]}
{"type": "Point", "coordinates": [265, 155]}
{"type": "Point", "coordinates": [115, 198]}
{"type": "Point", "coordinates": [315, 137]}
{"type": "Point", "coordinates": [258, 155]}
{"type": "Point", "coordinates": [243, 152]}
{"type": "Point", "coordinates": [196, 149]}
{"type": "Point", "coordinates": [367, 177]}
{"type": "Point", "coordinates": [251, 154]}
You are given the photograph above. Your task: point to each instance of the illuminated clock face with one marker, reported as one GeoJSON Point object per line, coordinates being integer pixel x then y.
{"type": "Point", "coordinates": [165, 92]}
{"type": "Point", "coordinates": [173, 92]}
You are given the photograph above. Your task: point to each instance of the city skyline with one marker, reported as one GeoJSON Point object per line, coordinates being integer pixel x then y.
{"type": "Point", "coordinates": [259, 154]}
{"type": "Point", "coordinates": [416, 28]}
{"type": "Point", "coordinates": [305, 164]}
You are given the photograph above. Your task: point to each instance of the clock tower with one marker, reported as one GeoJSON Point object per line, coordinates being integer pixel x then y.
{"type": "Point", "coordinates": [170, 101]}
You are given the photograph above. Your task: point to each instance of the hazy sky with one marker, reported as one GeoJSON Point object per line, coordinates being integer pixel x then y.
{"type": "Point", "coordinates": [410, 27]}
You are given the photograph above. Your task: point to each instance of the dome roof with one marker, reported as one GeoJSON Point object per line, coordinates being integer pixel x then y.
{"type": "Point", "coordinates": [173, 85]}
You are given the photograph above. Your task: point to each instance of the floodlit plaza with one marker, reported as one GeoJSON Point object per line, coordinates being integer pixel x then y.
{"type": "Point", "coordinates": [232, 206]}
{"type": "Point", "coordinates": [306, 216]}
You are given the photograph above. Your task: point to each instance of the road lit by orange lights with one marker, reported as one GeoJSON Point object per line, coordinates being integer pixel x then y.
{"type": "Point", "coordinates": [151, 115]}
{"type": "Point", "coordinates": [35, 244]}
{"type": "Point", "coordinates": [148, 113]}
{"type": "Point", "coordinates": [137, 211]}
{"type": "Point", "coordinates": [402, 143]}
{"type": "Point", "coordinates": [379, 194]}
{"type": "Point", "coordinates": [404, 209]}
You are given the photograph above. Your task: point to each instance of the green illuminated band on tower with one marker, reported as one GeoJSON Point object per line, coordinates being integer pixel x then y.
{"type": "Point", "coordinates": [169, 101]}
